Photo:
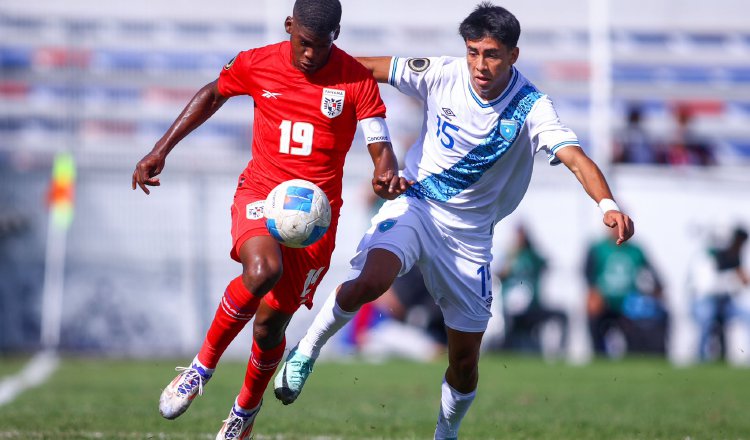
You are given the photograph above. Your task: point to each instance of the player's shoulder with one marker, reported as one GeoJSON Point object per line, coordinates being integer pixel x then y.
{"type": "Point", "coordinates": [348, 65]}
{"type": "Point", "coordinates": [433, 63]}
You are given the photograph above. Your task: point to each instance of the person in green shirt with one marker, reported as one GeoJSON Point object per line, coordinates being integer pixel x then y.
{"type": "Point", "coordinates": [624, 300]}
{"type": "Point", "coordinates": [526, 317]}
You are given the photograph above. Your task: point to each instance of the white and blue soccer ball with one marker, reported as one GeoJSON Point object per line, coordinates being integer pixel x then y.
{"type": "Point", "coordinates": [297, 213]}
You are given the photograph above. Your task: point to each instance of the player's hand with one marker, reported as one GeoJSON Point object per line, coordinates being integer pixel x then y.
{"type": "Point", "coordinates": [390, 185]}
{"type": "Point", "coordinates": [623, 223]}
{"type": "Point", "coordinates": [146, 171]}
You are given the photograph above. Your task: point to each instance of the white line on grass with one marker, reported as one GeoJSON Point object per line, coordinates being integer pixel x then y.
{"type": "Point", "coordinates": [35, 373]}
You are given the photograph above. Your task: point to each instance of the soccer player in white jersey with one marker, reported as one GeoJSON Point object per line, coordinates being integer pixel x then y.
{"type": "Point", "coordinates": [483, 124]}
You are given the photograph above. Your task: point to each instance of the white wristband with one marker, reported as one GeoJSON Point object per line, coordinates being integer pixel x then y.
{"type": "Point", "coordinates": [608, 205]}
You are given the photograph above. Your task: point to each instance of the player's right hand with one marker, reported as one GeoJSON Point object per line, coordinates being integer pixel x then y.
{"type": "Point", "coordinates": [390, 185]}
{"type": "Point", "coordinates": [146, 171]}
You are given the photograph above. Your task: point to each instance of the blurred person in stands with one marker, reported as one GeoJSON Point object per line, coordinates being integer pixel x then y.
{"type": "Point", "coordinates": [483, 123]}
{"type": "Point", "coordinates": [524, 312]}
{"type": "Point", "coordinates": [686, 146]}
{"type": "Point", "coordinates": [719, 284]}
{"type": "Point", "coordinates": [633, 144]}
{"type": "Point", "coordinates": [624, 300]}
{"type": "Point", "coordinates": [308, 96]}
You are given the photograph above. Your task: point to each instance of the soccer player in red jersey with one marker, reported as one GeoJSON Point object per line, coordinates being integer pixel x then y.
{"type": "Point", "coordinates": [308, 96]}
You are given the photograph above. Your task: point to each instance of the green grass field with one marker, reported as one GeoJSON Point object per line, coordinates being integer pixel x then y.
{"type": "Point", "coordinates": [519, 398]}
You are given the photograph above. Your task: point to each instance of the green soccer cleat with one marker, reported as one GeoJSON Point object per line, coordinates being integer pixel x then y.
{"type": "Point", "coordinates": [289, 381]}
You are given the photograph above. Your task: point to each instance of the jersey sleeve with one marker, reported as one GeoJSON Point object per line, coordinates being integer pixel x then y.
{"type": "Point", "coordinates": [236, 77]}
{"type": "Point", "coordinates": [414, 76]}
{"type": "Point", "coordinates": [546, 131]}
{"type": "Point", "coordinates": [368, 103]}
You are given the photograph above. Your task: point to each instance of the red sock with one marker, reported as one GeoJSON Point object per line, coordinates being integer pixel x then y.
{"type": "Point", "coordinates": [260, 369]}
{"type": "Point", "coordinates": [237, 307]}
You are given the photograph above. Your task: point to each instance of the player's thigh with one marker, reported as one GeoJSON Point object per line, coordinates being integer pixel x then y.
{"type": "Point", "coordinates": [395, 228]}
{"type": "Point", "coordinates": [461, 286]}
{"type": "Point", "coordinates": [304, 268]}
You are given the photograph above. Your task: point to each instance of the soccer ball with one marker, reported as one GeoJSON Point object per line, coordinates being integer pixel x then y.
{"type": "Point", "coordinates": [297, 213]}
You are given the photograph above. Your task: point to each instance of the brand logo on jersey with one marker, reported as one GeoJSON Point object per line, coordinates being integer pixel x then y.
{"type": "Point", "coordinates": [418, 64]}
{"type": "Point", "coordinates": [254, 211]}
{"type": "Point", "coordinates": [228, 65]}
{"type": "Point", "coordinates": [332, 103]}
{"type": "Point", "coordinates": [386, 225]}
{"type": "Point", "coordinates": [267, 94]}
{"type": "Point", "coordinates": [448, 113]}
{"type": "Point", "coordinates": [508, 129]}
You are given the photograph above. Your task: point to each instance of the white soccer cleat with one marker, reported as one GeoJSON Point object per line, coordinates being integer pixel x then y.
{"type": "Point", "coordinates": [179, 394]}
{"type": "Point", "coordinates": [238, 425]}
{"type": "Point", "coordinates": [291, 378]}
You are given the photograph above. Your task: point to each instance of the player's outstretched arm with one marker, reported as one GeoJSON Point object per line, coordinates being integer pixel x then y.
{"type": "Point", "coordinates": [378, 66]}
{"type": "Point", "coordinates": [593, 181]}
{"type": "Point", "coordinates": [386, 182]}
{"type": "Point", "coordinates": [196, 112]}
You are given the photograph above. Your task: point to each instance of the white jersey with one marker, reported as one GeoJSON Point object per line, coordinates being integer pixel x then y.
{"type": "Point", "coordinates": [473, 160]}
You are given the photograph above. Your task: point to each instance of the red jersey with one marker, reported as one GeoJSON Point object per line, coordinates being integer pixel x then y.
{"type": "Point", "coordinates": [303, 124]}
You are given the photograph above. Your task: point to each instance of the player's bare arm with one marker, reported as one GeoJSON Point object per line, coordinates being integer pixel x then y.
{"type": "Point", "coordinates": [378, 66]}
{"type": "Point", "coordinates": [593, 181]}
{"type": "Point", "coordinates": [386, 182]}
{"type": "Point", "coordinates": [204, 104]}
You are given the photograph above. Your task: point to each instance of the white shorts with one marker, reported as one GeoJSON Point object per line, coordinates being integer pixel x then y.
{"type": "Point", "coordinates": [459, 284]}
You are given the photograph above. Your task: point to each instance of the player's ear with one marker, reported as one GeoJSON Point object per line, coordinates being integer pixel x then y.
{"type": "Point", "coordinates": [288, 25]}
{"type": "Point", "coordinates": [514, 55]}
{"type": "Point", "coordinates": [336, 32]}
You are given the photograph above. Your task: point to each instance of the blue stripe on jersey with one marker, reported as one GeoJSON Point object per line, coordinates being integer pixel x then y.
{"type": "Point", "coordinates": [562, 144]}
{"type": "Point", "coordinates": [472, 167]}
{"type": "Point", "coordinates": [514, 77]}
{"type": "Point", "coordinates": [392, 78]}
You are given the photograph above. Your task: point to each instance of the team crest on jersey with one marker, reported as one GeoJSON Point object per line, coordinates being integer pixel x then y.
{"type": "Point", "coordinates": [332, 103]}
{"type": "Point", "coordinates": [508, 129]}
{"type": "Point", "coordinates": [254, 211]}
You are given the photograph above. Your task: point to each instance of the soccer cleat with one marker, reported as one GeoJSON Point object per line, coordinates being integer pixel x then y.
{"type": "Point", "coordinates": [238, 425]}
{"type": "Point", "coordinates": [179, 394]}
{"type": "Point", "coordinates": [289, 381]}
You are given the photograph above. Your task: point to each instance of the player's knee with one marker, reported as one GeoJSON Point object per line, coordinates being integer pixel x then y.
{"type": "Point", "coordinates": [465, 367]}
{"type": "Point", "coordinates": [267, 333]}
{"type": "Point", "coordinates": [261, 274]}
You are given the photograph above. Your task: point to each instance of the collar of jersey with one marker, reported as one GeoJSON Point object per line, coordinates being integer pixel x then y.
{"type": "Point", "coordinates": [484, 104]}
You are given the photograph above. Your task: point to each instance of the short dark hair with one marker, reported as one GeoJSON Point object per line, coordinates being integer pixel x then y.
{"type": "Point", "coordinates": [318, 16]}
{"type": "Point", "coordinates": [488, 20]}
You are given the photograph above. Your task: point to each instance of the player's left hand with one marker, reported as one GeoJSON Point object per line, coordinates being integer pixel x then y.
{"type": "Point", "coordinates": [623, 223]}
{"type": "Point", "coordinates": [390, 185]}
{"type": "Point", "coordinates": [147, 170]}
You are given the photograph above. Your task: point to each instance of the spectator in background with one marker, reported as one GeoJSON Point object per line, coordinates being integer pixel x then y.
{"type": "Point", "coordinates": [633, 144]}
{"type": "Point", "coordinates": [524, 313]}
{"type": "Point", "coordinates": [717, 280]}
{"type": "Point", "coordinates": [624, 300]}
{"type": "Point", "coordinates": [687, 147]}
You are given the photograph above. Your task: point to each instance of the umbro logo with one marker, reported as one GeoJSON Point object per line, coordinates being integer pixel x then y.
{"type": "Point", "coordinates": [267, 94]}
{"type": "Point", "coordinates": [448, 113]}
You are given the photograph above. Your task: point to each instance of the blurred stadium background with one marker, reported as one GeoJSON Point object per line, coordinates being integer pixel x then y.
{"type": "Point", "coordinates": [142, 275]}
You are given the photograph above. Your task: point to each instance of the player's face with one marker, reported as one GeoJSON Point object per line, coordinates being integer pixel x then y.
{"type": "Point", "coordinates": [490, 64]}
{"type": "Point", "coordinates": [309, 51]}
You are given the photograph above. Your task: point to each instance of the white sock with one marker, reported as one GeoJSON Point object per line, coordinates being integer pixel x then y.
{"type": "Point", "coordinates": [327, 322]}
{"type": "Point", "coordinates": [453, 408]}
{"type": "Point", "coordinates": [202, 369]}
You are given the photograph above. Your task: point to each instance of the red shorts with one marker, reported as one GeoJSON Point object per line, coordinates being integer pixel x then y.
{"type": "Point", "coordinates": [303, 269]}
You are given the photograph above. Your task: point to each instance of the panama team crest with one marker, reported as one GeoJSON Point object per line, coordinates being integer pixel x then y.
{"type": "Point", "coordinates": [508, 129]}
{"type": "Point", "coordinates": [332, 103]}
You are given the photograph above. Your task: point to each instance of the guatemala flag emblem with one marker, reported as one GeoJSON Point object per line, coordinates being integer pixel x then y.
{"type": "Point", "coordinates": [508, 129]}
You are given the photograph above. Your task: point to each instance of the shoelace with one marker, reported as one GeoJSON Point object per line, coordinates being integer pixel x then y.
{"type": "Point", "coordinates": [235, 424]}
{"type": "Point", "coordinates": [304, 370]}
{"type": "Point", "coordinates": [191, 375]}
